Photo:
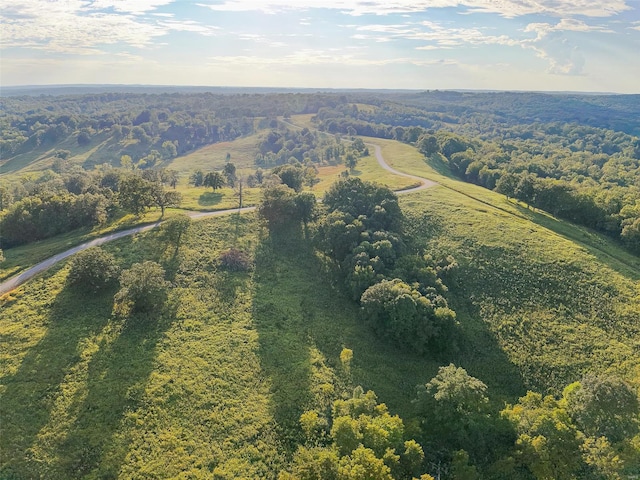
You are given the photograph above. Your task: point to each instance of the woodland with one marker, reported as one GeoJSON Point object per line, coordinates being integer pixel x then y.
{"type": "Point", "coordinates": [486, 326]}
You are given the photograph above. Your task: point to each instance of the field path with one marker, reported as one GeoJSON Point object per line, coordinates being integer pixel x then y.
{"type": "Point", "coordinates": [29, 273]}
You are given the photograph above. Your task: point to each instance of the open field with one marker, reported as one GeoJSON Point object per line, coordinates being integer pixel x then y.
{"type": "Point", "coordinates": [216, 382]}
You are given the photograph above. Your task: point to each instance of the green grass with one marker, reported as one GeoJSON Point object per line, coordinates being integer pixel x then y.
{"type": "Point", "coordinates": [214, 384]}
{"type": "Point", "coordinates": [557, 308]}
{"type": "Point", "coordinates": [213, 157]}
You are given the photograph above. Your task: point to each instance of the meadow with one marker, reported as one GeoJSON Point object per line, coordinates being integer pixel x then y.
{"type": "Point", "coordinates": [214, 384]}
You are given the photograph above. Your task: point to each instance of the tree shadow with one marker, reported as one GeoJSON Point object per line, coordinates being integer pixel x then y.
{"type": "Point", "coordinates": [283, 343]}
{"type": "Point", "coordinates": [208, 199]}
{"type": "Point", "coordinates": [116, 383]}
{"type": "Point", "coordinates": [298, 303]}
{"type": "Point", "coordinates": [115, 380]}
{"type": "Point", "coordinates": [30, 393]}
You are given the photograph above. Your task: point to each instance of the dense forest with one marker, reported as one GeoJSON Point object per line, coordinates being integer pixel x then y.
{"type": "Point", "coordinates": [344, 333]}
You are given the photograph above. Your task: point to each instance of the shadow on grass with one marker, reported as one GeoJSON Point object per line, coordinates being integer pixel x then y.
{"type": "Point", "coordinates": [114, 384]}
{"type": "Point", "coordinates": [296, 307]}
{"type": "Point", "coordinates": [280, 322]}
{"type": "Point", "coordinates": [606, 250]}
{"type": "Point", "coordinates": [208, 199]}
{"type": "Point", "coordinates": [26, 403]}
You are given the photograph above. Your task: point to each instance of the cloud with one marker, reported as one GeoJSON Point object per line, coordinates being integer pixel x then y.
{"type": "Point", "coordinates": [436, 34]}
{"type": "Point", "coordinates": [505, 8]}
{"type": "Point", "coordinates": [552, 45]}
{"type": "Point", "coordinates": [83, 27]}
{"type": "Point", "coordinates": [136, 7]}
{"type": "Point", "coordinates": [308, 57]}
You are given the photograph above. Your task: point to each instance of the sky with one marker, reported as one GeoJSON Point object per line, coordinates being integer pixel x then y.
{"type": "Point", "coordinates": [541, 45]}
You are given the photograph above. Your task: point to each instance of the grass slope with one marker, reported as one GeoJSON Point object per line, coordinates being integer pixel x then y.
{"type": "Point", "coordinates": [214, 385]}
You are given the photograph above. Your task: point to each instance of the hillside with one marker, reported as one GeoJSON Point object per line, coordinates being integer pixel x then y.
{"type": "Point", "coordinates": [217, 382]}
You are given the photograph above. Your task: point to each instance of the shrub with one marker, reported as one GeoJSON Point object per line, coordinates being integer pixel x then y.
{"type": "Point", "coordinates": [142, 288]}
{"type": "Point", "coordinates": [235, 260]}
{"type": "Point", "coordinates": [93, 269]}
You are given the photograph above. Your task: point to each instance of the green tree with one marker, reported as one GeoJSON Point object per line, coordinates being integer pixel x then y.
{"type": "Point", "coordinates": [526, 190]}
{"type": "Point", "coordinates": [507, 184]}
{"type": "Point", "coordinates": [278, 207]}
{"type": "Point", "coordinates": [164, 198]}
{"type": "Point", "coordinates": [363, 464]}
{"type": "Point", "coordinates": [197, 178]}
{"type": "Point", "coordinates": [399, 311]}
{"type": "Point", "coordinates": [305, 203]}
{"type": "Point", "coordinates": [229, 172]}
{"type": "Point", "coordinates": [93, 269]}
{"type": "Point", "coordinates": [135, 194]}
{"type": "Point", "coordinates": [291, 175]}
{"type": "Point", "coordinates": [376, 205]}
{"type": "Point", "coordinates": [215, 180]}
{"type": "Point", "coordinates": [428, 145]}
{"type": "Point", "coordinates": [548, 442]}
{"type": "Point", "coordinates": [143, 288]}
{"type": "Point", "coordinates": [314, 464]}
{"type": "Point", "coordinates": [603, 405]}
{"type": "Point", "coordinates": [351, 160]}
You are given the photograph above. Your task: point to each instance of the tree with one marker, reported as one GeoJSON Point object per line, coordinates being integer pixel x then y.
{"type": "Point", "coordinates": [456, 392]}
{"type": "Point", "coordinates": [526, 190]}
{"type": "Point", "coordinates": [603, 405]}
{"type": "Point", "coordinates": [350, 160]}
{"type": "Point", "coordinates": [378, 204]}
{"type": "Point", "coordinates": [142, 288]}
{"type": "Point", "coordinates": [229, 172]}
{"type": "Point", "coordinates": [197, 178]}
{"type": "Point", "coordinates": [507, 184]}
{"type": "Point", "coordinates": [398, 311]}
{"type": "Point", "coordinates": [291, 175]}
{"type": "Point", "coordinates": [163, 198]}
{"type": "Point", "coordinates": [428, 145]}
{"type": "Point", "coordinates": [278, 207]}
{"type": "Point", "coordinates": [548, 442]}
{"type": "Point", "coordinates": [84, 138]}
{"type": "Point", "coordinates": [93, 269]}
{"type": "Point", "coordinates": [305, 203]}
{"type": "Point", "coordinates": [215, 180]}
{"type": "Point", "coordinates": [135, 194]}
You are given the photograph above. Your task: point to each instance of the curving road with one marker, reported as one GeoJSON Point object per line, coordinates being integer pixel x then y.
{"type": "Point", "coordinates": [424, 183]}
{"type": "Point", "coordinates": [21, 278]}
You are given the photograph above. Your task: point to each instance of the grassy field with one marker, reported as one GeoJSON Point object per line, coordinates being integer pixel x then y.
{"type": "Point", "coordinates": [214, 384]}
{"type": "Point", "coordinates": [243, 153]}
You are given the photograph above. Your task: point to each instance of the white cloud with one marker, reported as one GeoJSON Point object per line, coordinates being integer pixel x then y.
{"type": "Point", "coordinates": [82, 27]}
{"type": "Point", "coordinates": [438, 35]}
{"type": "Point", "coordinates": [306, 57]}
{"type": "Point", "coordinates": [506, 8]}
{"type": "Point", "coordinates": [552, 45]}
{"type": "Point", "coordinates": [136, 7]}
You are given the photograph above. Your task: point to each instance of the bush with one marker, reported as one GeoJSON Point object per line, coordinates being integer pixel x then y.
{"type": "Point", "coordinates": [142, 288]}
{"type": "Point", "coordinates": [235, 260]}
{"type": "Point", "coordinates": [93, 269]}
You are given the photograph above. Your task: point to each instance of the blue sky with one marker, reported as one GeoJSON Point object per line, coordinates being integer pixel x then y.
{"type": "Point", "coordinates": [577, 45]}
